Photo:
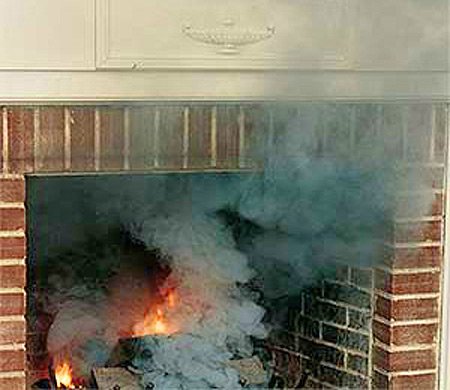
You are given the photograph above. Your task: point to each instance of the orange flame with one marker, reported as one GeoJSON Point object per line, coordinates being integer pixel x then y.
{"type": "Point", "coordinates": [155, 321]}
{"type": "Point", "coordinates": [171, 299]}
{"type": "Point", "coordinates": [63, 375]}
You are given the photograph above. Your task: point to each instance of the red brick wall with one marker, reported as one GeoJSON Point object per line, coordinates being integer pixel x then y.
{"type": "Point", "coordinates": [406, 321]}
{"type": "Point", "coordinates": [12, 283]}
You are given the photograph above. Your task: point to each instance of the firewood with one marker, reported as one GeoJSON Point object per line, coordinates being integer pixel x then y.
{"type": "Point", "coordinates": [125, 351]}
{"type": "Point", "coordinates": [115, 378]}
{"type": "Point", "coordinates": [251, 370]}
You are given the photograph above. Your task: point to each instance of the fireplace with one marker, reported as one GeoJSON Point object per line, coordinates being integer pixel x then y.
{"type": "Point", "coordinates": [336, 208]}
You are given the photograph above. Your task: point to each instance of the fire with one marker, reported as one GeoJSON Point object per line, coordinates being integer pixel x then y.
{"type": "Point", "coordinates": [171, 299]}
{"type": "Point", "coordinates": [64, 376]}
{"type": "Point", "coordinates": [155, 321]}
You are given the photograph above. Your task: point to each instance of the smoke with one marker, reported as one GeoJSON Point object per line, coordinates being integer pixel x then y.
{"type": "Point", "coordinates": [229, 244]}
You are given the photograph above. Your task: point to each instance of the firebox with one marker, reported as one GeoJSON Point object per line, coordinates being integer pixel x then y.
{"type": "Point", "coordinates": [221, 245]}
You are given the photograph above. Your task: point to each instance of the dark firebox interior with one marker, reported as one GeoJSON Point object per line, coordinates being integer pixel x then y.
{"type": "Point", "coordinates": [79, 245]}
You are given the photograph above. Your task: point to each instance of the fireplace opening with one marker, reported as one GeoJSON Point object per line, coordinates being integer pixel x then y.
{"type": "Point", "coordinates": [270, 277]}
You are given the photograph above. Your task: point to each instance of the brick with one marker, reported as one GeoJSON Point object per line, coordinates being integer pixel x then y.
{"type": "Point", "coordinates": [12, 332]}
{"type": "Point", "coordinates": [200, 137]}
{"type": "Point", "coordinates": [50, 140]}
{"type": "Point", "coordinates": [380, 381]}
{"type": "Point", "coordinates": [440, 133]}
{"type": "Point", "coordinates": [418, 232]}
{"type": "Point", "coordinates": [142, 137]}
{"type": "Point", "coordinates": [12, 190]}
{"type": "Point", "coordinates": [12, 276]}
{"type": "Point", "coordinates": [288, 365]}
{"type": "Point", "coordinates": [405, 360]}
{"type": "Point", "coordinates": [227, 136]}
{"type": "Point", "coordinates": [342, 272]}
{"type": "Point", "coordinates": [284, 339]}
{"type": "Point", "coordinates": [347, 294]}
{"type": "Point", "coordinates": [405, 335]}
{"type": "Point", "coordinates": [111, 138]}
{"type": "Point", "coordinates": [279, 359]}
{"type": "Point", "coordinates": [408, 283]}
{"type": "Point", "coordinates": [345, 338]}
{"type": "Point", "coordinates": [418, 140]}
{"type": "Point", "coordinates": [407, 309]}
{"type": "Point", "coordinates": [415, 334]}
{"type": "Point", "coordinates": [416, 258]}
{"type": "Point", "coordinates": [307, 327]}
{"type": "Point", "coordinates": [12, 304]}
{"type": "Point", "coordinates": [319, 352]}
{"type": "Point", "coordinates": [325, 311]}
{"type": "Point", "coordinates": [37, 343]}
{"type": "Point", "coordinates": [170, 150]}
{"type": "Point", "coordinates": [422, 382]}
{"type": "Point", "coordinates": [21, 139]}
{"type": "Point", "coordinates": [433, 200]}
{"type": "Point", "coordinates": [12, 219]}
{"type": "Point", "coordinates": [12, 247]}
{"type": "Point", "coordinates": [13, 383]}
{"type": "Point", "coordinates": [432, 175]}
{"type": "Point", "coordinates": [358, 363]}
{"type": "Point", "coordinates": [361, 277]}
{"type": "Point", "coordinates": [256, 119]}
{"type": "Point", "coordinates": [341, 378]}
{"type": "Point", "coordinates": [82, 139]}
{"type": "Point", "coordinates": [358, 320]}
{"type": "Point", "coordinates": [382, 332]}
{"type": "Point", "coordinates": [12, 360]}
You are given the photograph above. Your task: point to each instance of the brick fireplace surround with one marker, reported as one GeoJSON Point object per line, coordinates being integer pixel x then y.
{"type": "Point", "coordinates": [403, 295]}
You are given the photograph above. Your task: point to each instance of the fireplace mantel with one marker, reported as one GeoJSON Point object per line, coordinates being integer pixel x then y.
{"type": "Point", "coordinates": [124, 50]}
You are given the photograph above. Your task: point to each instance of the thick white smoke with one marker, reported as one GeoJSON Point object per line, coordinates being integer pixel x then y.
{"type": "Point", "coordinates": [214, 319]}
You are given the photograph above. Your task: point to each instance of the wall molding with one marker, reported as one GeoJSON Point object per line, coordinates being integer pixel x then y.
{"type": "Point", "coordinates": [182, 52]}
{"type": "Point", "coordinates": [139, 86]}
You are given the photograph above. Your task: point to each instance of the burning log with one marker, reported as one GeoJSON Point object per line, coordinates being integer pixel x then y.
{"type": "Point", "coordinates": [251, 370]}
{"type": "Point", "coordinates": [125, 351]}
{"type": "Point", "coordinates": [115, 378]}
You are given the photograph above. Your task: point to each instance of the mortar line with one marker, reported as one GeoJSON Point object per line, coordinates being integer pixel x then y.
{"type": "Point", "coordinates": [12, 347]}
{"type": "Point", "coordinates": [402, 323]}
{"type": "Point", "coordinates": [405, 297]}
{"type": "Point", "coordinates": [12, 262]}
{"type": "Point", "coordinates": [12, 205]}
{"type": "Point", "coordinates": [12, 233]}
{"type": "Point", "coordinates": [12, 290]}
{"type": "Point", "coordinates": [12, 374]}
{"type": "Point", "coordinates": [15, 318]}
{"type": "Point", "coordinates": [405, 373]}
